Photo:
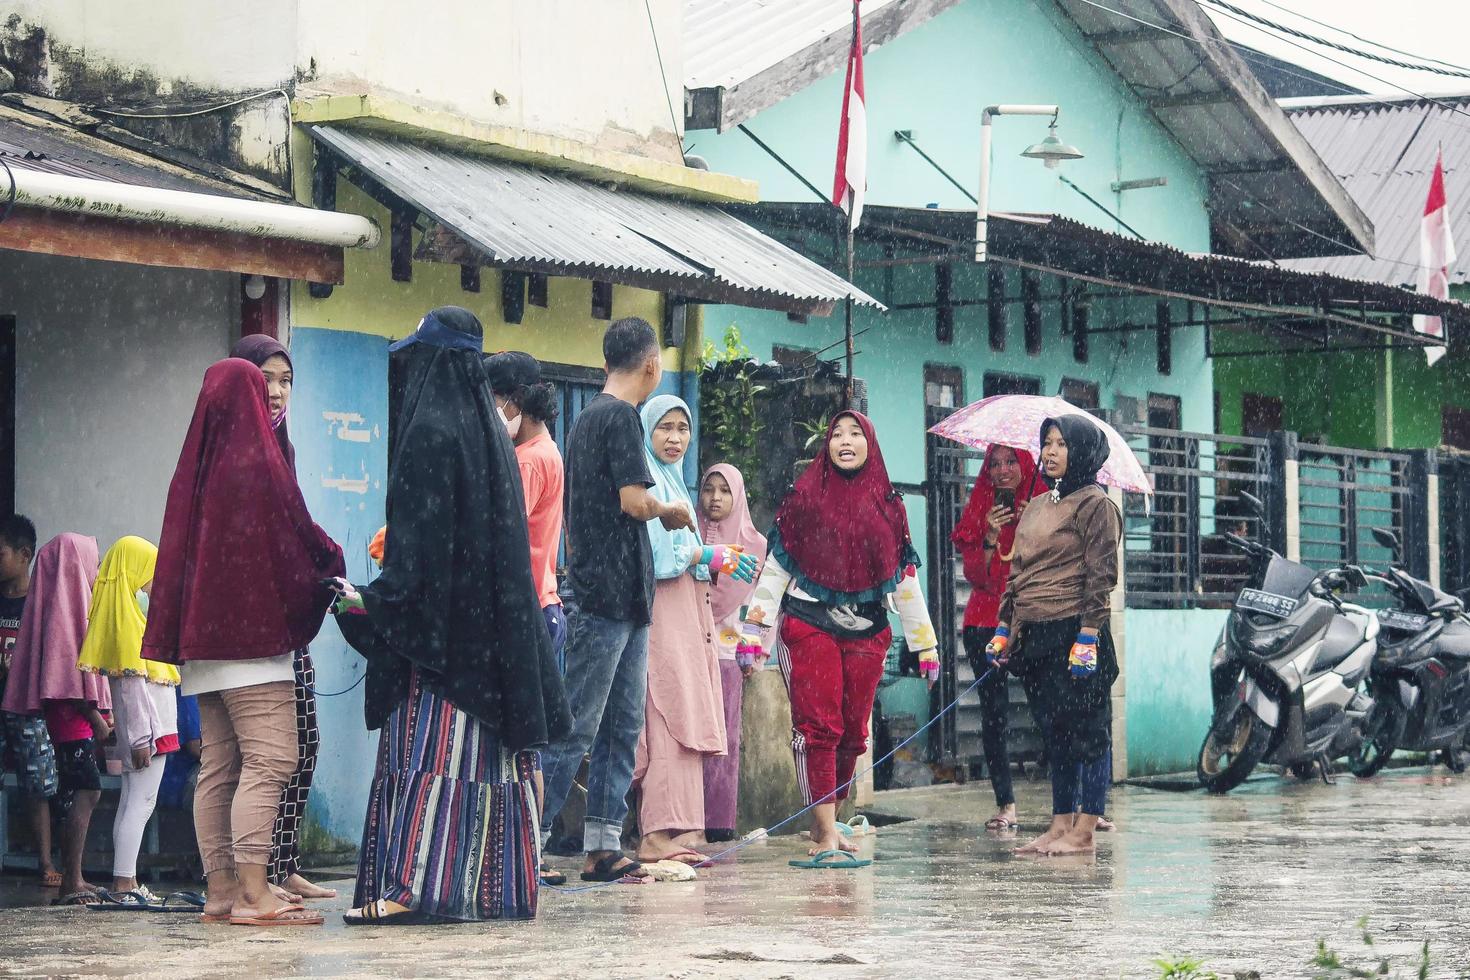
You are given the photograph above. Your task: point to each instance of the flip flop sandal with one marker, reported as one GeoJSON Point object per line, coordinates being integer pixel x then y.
{"type": "Point", "coordinates": [861, 827]}
{"type": "Point", "coordinates": [607, 870]}
{"type": "Point", "coordinates": [378, 914]}
{"type": "Point", "coordinates": [286, 915]}
{"type": "Point", "coordinates": [77, 898]}
{"type": "Point", "coordinates": [223, 919]}
{"type": "Point", "coordinates": [1001, 823]}
{"type": "Point", "coordinates": [186, 902]}
{"type": "Point", "coordinates": [839, 860]}
{"type": "Point", "coordinates": [552, 878]}
{"type": "Point", "coordinates": [133, 901]}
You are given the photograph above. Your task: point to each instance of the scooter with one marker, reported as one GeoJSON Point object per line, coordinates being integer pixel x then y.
{"type": "Point", "coordinates": [1286, 671]}
{"type": "Point", "coordinates": [1420, 681]}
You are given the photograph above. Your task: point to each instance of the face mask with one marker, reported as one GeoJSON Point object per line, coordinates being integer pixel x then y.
{"type": "Point", "coordinates": [142, 598]}
{"type": "Point", "coordinates": [512, 426]}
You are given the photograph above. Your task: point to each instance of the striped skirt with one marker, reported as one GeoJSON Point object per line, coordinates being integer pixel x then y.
{"type": "Point", "coordinates": [452, 828]}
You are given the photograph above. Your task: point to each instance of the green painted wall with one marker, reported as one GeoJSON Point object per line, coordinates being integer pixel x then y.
{"type": "Point", "coordinates": [1169, 686]}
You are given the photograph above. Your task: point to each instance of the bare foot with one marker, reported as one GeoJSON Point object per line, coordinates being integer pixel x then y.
{"type": "Point", "coordinates": [836, 841]}
{"type": "Point", "coordinates": [1104, 824]}
{"type": "Point", "coordinates": [284, 894]}
{"type": "Point", "coordinates": [70, 887]}
{"type": "Point", "coordinates": [682, 855]}
{"type": "Point", "coordinates": [1040, 844]}
{"type": "Point", "coordinates": [1074, 842]}
{"type": "Point", "coordinates": [219, 900]}
{"type": "Point", "coordinates": [694, 840]}
{"type": "Point", "coordinates": [302, 888]}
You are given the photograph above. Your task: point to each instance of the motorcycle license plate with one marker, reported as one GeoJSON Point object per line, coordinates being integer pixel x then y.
{"type": "Point", "coordinates": [1397, 619]}
{"type": "Point", "coordinates": [1254, 600]}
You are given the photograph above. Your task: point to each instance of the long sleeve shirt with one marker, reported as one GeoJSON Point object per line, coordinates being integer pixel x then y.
{"type": "Point", "coordinates": [775, 590]}
{"type": "Point", "coordinates": [1065, 561]}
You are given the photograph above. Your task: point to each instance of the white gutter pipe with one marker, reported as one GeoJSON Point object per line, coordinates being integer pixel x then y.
{"type": "Point", "coordinates": [186, 209]}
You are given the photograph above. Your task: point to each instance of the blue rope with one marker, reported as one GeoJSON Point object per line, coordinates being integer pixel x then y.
{"type": "Point", "coordinates": [570, 890]}
{"type": "Point", "coordinates": [337, 694]}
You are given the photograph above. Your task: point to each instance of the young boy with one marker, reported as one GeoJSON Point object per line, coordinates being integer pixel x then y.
{"type": "Point", "coordinates": [611, 576]}
{"type": "Point", "coordinates": [24, 745]}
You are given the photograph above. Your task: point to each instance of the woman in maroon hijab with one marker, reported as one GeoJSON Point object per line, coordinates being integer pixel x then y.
{"type": "Point", "coordinates": [236, 590]}
{"type": "Point", "coordinates": [271, 356]}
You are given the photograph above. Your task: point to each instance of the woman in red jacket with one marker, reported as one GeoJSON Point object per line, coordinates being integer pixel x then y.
{"type": "Point", "coordinates": [985, 535]}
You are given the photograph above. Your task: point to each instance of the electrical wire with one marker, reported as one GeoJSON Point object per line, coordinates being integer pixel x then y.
{"type": "Point", "coordinates": [196, 112]}
{"type": "Point", "coordinates": [663, 79]}
{"type": "Point", "coordinates": [1347, 49]}
{"type": "Point", "coordinates": [1365, 40]}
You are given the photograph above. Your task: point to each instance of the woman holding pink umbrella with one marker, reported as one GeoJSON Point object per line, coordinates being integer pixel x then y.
{"type": "Point", "coordinates": [1053, 626]}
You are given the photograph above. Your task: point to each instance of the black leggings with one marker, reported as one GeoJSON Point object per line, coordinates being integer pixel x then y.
{"type": "Point", "coordinates": [995, 702]}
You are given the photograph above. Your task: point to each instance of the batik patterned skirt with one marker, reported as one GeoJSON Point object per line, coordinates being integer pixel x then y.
{"type": "Point", "coordinates": [452, 828]}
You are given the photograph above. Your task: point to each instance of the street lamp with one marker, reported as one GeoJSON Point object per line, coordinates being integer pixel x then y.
{"type": "Point", "coordinates": [1051, 151]}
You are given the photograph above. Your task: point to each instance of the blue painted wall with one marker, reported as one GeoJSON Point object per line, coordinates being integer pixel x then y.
{"type": "Point", "coordinates": [1168, 678]}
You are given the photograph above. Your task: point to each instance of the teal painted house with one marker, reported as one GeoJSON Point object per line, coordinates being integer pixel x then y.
{"type": "Point", "coordinates": [1185, 159]}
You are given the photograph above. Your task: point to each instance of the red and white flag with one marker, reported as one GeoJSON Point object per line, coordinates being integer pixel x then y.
{"type": "Point", "coordinates": [851, 180]}
{"type": "Point", "coordinates": [1436, 255]}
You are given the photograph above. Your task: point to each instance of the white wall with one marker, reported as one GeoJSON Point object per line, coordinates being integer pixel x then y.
{"type": "Point", "coordinates": [109, 362]}
{"type": "Point", "coordinates": [584, 70]}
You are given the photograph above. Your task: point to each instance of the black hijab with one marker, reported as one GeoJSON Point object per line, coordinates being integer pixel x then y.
{"type": "Point", "coordinates": [1087, 451]}
{"type": "Point", "coordinates": [456, 596]}
{"type": "Point", "coordinates": [257, 348]}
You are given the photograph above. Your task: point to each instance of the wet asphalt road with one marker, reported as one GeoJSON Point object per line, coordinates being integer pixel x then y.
{"type": "Point", "coordinates": [1247, 882]}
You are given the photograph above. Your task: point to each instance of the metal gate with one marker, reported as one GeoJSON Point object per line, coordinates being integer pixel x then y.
{"type": "Point", "coordinates": [1454, 520]}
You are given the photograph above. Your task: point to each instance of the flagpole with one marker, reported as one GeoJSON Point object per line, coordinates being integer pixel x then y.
{"type": "Point", "coordinates": [852, 217]}
{"type": "Point", "coordinates": [848, 333]}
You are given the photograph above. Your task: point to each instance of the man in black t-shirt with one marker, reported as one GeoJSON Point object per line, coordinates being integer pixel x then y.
{"type": "Point", "coordinates": [611, 577]}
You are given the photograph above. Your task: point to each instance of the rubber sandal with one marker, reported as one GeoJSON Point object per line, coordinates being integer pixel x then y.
{"type": "Point", "coordinates": [862, 827]}
{"type": "Point", "coordinates": [1001, 823]}
{"type": "Point", "coordinates": [77, 898]}
{"type": "Point", "coordinates": [286, 915]}
{"type": "Point", "coordinates": [607, 870]}
{"type": "Point", "coordinates": [51, 879]}
{"type": "Point", "coordinates": [838, 860]}
{"type": "Point", "coordinates": [223, 919]}
{"type": "Point", "coordinates": [551, 878]}
{"type": "Point", "coordinates": [133, 901]}
{"type": "Point", "coordinates": [377, 914]}
{"type": "Point", "coordinates": [187, 902]}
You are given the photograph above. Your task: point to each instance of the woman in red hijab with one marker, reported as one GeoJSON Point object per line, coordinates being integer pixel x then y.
{"type": "Point", "coordinates": [985, 537]}
{"type": "Point", "coordinates": [839, 554]}
{"type": "Point", "coordinates": [236, 589]}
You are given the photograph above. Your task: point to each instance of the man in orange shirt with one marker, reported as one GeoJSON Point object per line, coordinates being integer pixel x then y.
{"type": "Point", "coordinates": [529, 406]}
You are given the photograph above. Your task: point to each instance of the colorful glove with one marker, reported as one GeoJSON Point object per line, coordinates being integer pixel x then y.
{"type": "Point", "coordinates": [929, 665]}
{"type": "Point", "coordinates": [729, 559]}
{"type": "Point", "coordinates": [375, 546]}
{"type": "Point", "coordinates": [348, 600]}
{"type": "Point", "coordinates": [748, 650]}
{"type": "Point", "coordinates": [1083, 658]}
{"type": "Point", "coordinates": [995, 650]}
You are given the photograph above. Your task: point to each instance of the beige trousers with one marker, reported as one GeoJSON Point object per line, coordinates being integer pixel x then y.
{"type": "Point", "coordinates": [247, 754]}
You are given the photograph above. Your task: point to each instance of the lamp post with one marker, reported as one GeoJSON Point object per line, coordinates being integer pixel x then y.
{"type": "Point", "coordinates": [1051, 151]}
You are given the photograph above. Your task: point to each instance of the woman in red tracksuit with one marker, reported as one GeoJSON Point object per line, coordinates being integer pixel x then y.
{"type": "Point", "coordinates": [985, 537]}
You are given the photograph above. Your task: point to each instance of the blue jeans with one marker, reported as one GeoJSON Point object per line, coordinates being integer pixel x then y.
{"type": "Point", "coordinates": [556, 625]}
{"type": "Point", "coordinates": [607, 687]}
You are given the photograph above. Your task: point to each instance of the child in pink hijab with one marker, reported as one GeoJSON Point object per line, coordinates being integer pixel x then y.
{"type": "Point", "coordinates": [724, 515]}
{"type": "Point", "coordinates": [45, 682]}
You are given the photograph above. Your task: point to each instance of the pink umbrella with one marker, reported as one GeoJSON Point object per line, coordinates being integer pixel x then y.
{"type": "Point", "coordinates": [1015, 420]}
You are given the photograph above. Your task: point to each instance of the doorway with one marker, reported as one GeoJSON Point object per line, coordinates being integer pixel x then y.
{"type": "Point", "coordinates": [1260, 415]}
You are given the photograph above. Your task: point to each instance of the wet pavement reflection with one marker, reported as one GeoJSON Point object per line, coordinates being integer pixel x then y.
{"type": "Point", "coordinates": [1250, 881]}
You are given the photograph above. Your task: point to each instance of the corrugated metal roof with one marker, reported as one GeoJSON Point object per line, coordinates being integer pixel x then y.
{"type": "Point", "coordinates": [521, 216]}
{"type": "Point", "coordinates": [31, 143]}
{"type": "Point", "coordinates": [729, 41]}
{"type": "Point", "coordinates": [1383, 151]}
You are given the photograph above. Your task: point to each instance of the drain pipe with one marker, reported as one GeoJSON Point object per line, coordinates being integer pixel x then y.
{"type": "Point", "coordinates": [187, 209]}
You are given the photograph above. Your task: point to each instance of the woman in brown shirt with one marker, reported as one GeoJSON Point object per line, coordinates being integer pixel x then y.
{"type": "Point", "coordinates": [1053, 631]}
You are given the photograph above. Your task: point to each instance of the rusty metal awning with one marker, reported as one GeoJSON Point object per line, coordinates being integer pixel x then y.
{"type": "Point", "coordinates": [1305, 310]}
{"type": "Point", "coordinates": [491, 212]}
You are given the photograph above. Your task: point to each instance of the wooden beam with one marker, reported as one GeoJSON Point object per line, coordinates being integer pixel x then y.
{"type": "Point", "coordinates": [146, 243]}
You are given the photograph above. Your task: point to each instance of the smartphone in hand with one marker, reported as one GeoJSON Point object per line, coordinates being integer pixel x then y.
{"type": "Point", "coordinates": [1005, 497]}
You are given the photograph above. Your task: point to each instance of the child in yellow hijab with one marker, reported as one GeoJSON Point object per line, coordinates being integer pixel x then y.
{"type": "Point", "coordinates": [145, 712]}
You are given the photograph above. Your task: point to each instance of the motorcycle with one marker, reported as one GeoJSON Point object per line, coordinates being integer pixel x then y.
{"type": "Point", "coordinates": [1420, 680]}
{"type": "Point", "coordinates": [1286, 672]}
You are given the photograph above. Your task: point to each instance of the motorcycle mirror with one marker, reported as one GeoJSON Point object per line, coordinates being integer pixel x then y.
{"type": "Point", "coordinates": [1253, 503]}
{"type": "Point", "coordinates": [1387, 539]}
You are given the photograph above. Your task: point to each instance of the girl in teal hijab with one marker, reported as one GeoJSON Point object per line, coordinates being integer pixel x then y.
{"type": "Point", "coordinates": [685, 720]}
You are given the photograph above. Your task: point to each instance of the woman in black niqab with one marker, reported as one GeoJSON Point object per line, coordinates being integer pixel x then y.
{"type": "Point", "coordinates": [456, 644]}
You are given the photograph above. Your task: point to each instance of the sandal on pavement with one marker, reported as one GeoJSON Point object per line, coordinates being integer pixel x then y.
{"type": "Point", "coordinates": [378, 914]}
{"type": "Point", "coordinates": [609, 869]}
{"type": "Point", "coordinates": [137, 900]}
{"type": "Point", "coordinates": [552, 878]}
{"type": "Point", "coordinates": [999, 822]}
{"type": "Point", "coordinates": [180, 902]}
{"type": "Point", "coordinates": [77, 898]}
{"type": "Point", "coordinates": [286, 915]}
{"type": "Point", "coordinates": [861, 827]}
{"type": "Point", "coordinates": [831, 859]}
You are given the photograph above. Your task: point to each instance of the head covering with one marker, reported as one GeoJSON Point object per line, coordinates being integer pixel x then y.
{"type": "Point", "coordinates": [512, 369]}
{"type": "Point", "coordinates": [668, 484]}
{"type": "Point", "coordinates": [456, 598]}
{"type": "Point", "coordinates": [452, 327]}
{"type": "Point", "coordinates": [43, 665]}
{"type": "Point", "coordinates": [1087, 451]}
{"type": "Point", "coordinates": [240, 561]}
{"type": "Point", "coordinates": [729, 593]}
{"type": "Point", "coordinates": [844, 536]}
{"type": "Point", "coordinates": [116, 622]}
{"type": "Point", "coordinates": [257, 348]}
{"type": "Point", "coordinates": [971, 527]}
